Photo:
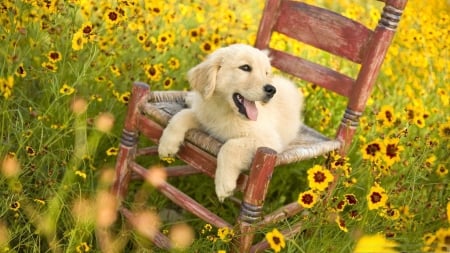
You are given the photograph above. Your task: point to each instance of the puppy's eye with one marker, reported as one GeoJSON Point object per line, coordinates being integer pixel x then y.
{"type": "Point", "coordinates": [245, 68]}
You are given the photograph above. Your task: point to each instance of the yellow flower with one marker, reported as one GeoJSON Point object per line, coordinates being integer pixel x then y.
{"type": "Point", "coordinates": [391, 151]}
{"type": "Point", "coordinates": [125, 97]}
{"type": "Point", "coordinates": [153, 71]}
{"type": "Point", "coordinates": [115, 70]}
{"type": "Point", "coordinates": [307, 199]}
{"type": "Point", "coordinates": [225, 234]}
{"type": "Point", "coordinates": [444, 130]}
{"type": "Point", "coordinates": [81, 174]}
{"type": "Point", "coordinates": [441, 170]}
{"type": "Point", "coordinates": [443, 235]}
{"type": "Point", "coordinates": [174, 63]}
{"type": "Point", "coordinates": [39, 201]}
{"type": "Point", "coordinates": [49, 66]}
{"type": "Point", "coordinates": [20, 71]}
{"type": "Point", "coordinates": [276, 240]}
{"type": "Point", "coordinates": [386, 116]}
{"type": "Point", "coordinates": [54, 56]}
{"type": "Point", "coordinates": [113, 151]}
{"type": "Point", "coordinates": [319, 178]}
{"type": "Point", "coordinates": [66, 90]}
{"type": "Point", "coordinates": [377, 197]}
{"type": "Point", "coordinates": [6, 85]}
{"type": "Point", "coordinates": [372, 151]}
{"type": "Point", "coordinates": [78, 41]}
{"type": "Point", "coordinates": [448, 212]}
{"type": "Point", "coordinates": [15, 206]}
{"type": "Point", "coordinates": [375, 243]}
{"type": "Point", "coordinates": [83, 247]}
{"type": "Point", "coordinates": [30, 151]}
{"type": "Point", "coordinates": [168, 82]}
{"type": "Point", "coordinates": [112, 17]}
{"type": "Point", "coordinates": [341, 223]}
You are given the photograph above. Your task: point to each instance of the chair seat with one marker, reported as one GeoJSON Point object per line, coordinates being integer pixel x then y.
{"type": "Point", "coordinates": [309, 143]}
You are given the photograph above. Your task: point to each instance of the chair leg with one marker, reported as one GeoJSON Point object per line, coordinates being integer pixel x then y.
{"type": "Point", "coordinates": [128, 142]}
{"type": "Point", "coordinates": [254, 195]}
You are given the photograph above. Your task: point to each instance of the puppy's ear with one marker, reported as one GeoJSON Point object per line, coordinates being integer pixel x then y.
{"type": "Point", "coordinates": [267, 52]}
{"type": "Point", "coordinates": [202, 77]}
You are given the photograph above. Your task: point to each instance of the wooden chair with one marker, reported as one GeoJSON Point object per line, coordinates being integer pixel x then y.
{"type": "Point", "coordinates": [149, 112]}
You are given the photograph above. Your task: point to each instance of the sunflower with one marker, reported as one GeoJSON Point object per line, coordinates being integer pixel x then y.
{"type": "Point", "coordinates": [319, 178]}
{"type": "Point", "coordinates": [276, 240]}
{"type": "Point", "coordinates": [307, 199]}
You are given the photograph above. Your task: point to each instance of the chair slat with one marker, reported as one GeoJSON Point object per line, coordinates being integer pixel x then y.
{"type": "Point", "coordinates": [312, 72]}
{"type": "Point", "coordinates": [323, 29]}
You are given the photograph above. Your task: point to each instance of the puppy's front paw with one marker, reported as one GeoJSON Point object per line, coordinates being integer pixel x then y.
{"type": "Point", "coordinates": [168, 147]}
{"type": "Point", "coordinates": [225, 187]}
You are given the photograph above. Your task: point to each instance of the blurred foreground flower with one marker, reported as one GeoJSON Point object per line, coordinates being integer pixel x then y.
{"type": "Point", "coordinates": [276, 240]}
{"type": "Point", "coordinates": [106, 209]}
{"type": "Point", "coordinates": [10, 165]}
{"type": "Point", "coordinates": [375, 243]}
{"type": "Point", "coordinates": [104, 122]}
{"type": "Point", "coordinates": [181, 236]}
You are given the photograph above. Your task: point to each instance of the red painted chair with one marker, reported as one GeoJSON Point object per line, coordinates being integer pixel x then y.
{"type": "Point", "coordinates": [149, 112]}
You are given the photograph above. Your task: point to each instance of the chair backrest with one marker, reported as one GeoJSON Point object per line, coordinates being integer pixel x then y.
{"type": "Point", "coordinates": [338, 35]}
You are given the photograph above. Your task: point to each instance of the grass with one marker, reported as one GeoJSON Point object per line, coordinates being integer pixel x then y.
{"type": "Point", "coordinates": [65, 75]}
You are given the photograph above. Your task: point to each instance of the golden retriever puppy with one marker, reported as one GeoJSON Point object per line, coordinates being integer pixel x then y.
{"type": "Point", "coordinates": [236, 99]}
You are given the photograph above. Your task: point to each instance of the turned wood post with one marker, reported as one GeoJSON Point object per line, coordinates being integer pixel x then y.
{"type": "Point", "coordinates": [254, 195]}
{"type": "Point", "coordinates": [128, 142]}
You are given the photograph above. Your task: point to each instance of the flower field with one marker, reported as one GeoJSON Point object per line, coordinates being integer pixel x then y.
{"type": "Point", "coordinates": [65, 77]}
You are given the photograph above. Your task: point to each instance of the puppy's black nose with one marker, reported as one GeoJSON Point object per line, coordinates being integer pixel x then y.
{"type": "Point", "coordinates": [270, 90]}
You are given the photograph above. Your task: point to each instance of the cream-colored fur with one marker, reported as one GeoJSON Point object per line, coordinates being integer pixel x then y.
{"type": "Point", "coordinates": [236, 69]}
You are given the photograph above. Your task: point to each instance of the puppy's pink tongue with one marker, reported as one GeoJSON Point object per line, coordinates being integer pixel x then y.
{"type": "Point", "coordinates": [250, 109]}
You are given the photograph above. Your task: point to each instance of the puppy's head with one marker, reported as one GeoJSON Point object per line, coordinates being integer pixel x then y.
{"type": "Point", "coordinates": [240, 75]}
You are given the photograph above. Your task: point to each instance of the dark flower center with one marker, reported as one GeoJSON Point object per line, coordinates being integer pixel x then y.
{"type": "Point", "coordinates": [375, 197]}
{"type": "Point", "coordinates": [319, 177]}
{"type": "Point", "coordinates": [372, 149]}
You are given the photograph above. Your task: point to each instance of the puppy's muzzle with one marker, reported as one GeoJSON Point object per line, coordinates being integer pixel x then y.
{"type": "Point", "coordinates": [270, 91]}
